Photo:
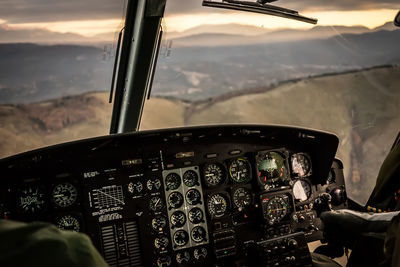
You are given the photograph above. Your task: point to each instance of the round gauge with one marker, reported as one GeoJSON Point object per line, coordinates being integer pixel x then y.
{"type": "Point", "coordinates": [182, 257]}
{"type": "Point", "coordinates": [190, 178]}
{"type": "Point", "coordinates": [153, 184]}
{"type": "Point", "coordinates": [276, 209]}
{"type": "Point", "coordinates": [181, 237]}
{"type": "Point", "coordinates": [68, 222]}
{"type": "Point", "coordinates": [200, 253]}
{"type": "Point", "coordinates": [331, 177]}
{"type": "Point", "coordinates": [195, 215]}
{"type": "Point", "coordinates": [136, 188]}
{"type": "Point", "coordinates": [217, 205]}
{"type": "Point", "coordinates": [161, 242]}
{"type": "Point", "coordinates": [175, 200]}
{"type": "Point", "coordinates": [239, 170]}
{"type": "Point", "coordinates": [178, 219]}
{"type": "Point", "coordinates": [242, 197]}
{"type": "Point", "coordinates": [301, 190]}
{"type": "Point", "coordinates": [158, 223]}
{"type": "Point", "coordinates": [31, 199]}
{"type": "Point", "coordinates": [213, 174]}
{"type": "Point", "coordinates": [172, 181]}
{"type": "Point", "coordinates": [271, 167]}
{"type": "Point", "coordinates": [301, 164]}
{"type": "Point", "coordinates": [193, 197]}
{"type": "Point", "coordinates": [164, 261]}
{"type": "Point", "coordinates": [156, 204]}
{"type": "Point", "coordinates": [198, 234]}
{"type": "Point", "coordinates": [64, 195]}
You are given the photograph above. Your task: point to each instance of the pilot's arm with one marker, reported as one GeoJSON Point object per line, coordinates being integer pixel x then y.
{"type": "Point", "coordinates": [43, 244]}
{"type": "Point", "coordinates": [361, 231]}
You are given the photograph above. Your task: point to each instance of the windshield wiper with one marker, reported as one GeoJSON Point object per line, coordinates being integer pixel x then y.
{"type": "Point", "coordinates": [262, 7]}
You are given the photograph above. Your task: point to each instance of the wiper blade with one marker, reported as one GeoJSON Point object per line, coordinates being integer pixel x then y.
{"type": "Point", "coordinates": [260, 7]}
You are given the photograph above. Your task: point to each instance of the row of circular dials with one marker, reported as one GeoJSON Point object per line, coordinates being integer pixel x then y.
{"type": "Point", "coordinates": [32, 199]}
{"type": "Point", "coordinates": [137, 188]}
{"type": "Point", "coordinates": [183, 257]}
{"type": "Point", "coordinates": [272, 170]}
{"type": "Point", "coordinates": [271, 166]}
{"type": "Point", "coordinates": [239, 171]}
{"type": "Point", "coordinates": [218, 203]}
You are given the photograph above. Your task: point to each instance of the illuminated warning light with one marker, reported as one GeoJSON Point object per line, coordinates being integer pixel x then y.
{"type": "Point", "coordinates": [259, 174]}
{"type": "Point", "coordinates": [265, 199]}
{"type": "Point", "coordinates": [265, 178]}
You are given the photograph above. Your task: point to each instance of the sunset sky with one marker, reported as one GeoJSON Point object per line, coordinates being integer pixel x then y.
{"type": "Point", "coordinates": [93, 17]}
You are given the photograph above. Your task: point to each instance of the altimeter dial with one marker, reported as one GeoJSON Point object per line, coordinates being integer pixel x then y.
{"type": "Point", "coordinates": [64, 195]}
{"type": "Point", "coordinates": [213, 174]}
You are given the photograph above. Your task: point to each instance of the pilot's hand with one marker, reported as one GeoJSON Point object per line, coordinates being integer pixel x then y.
{"type": "Point", "coordinates": [343, 227]}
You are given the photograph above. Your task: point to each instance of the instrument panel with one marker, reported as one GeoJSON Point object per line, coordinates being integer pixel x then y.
{"type": "Point", "coordinates": [187, 196]}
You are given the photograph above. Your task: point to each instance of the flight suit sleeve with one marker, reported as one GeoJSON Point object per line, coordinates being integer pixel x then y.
{"type": "Point", "coordinates": [43, 244]}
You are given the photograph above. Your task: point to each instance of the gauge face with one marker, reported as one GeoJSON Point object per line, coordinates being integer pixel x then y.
{"type": "Point", "coordinates": [213, 174]}
{"type": "Point", "coordinates": [172, 181]}
{"type": "Point", "coordinates": [200, 253]}
{"type": "Point", "coordinates": [271, 167]}
{"type": "Point", "coordinates": [301, 164]}
{"type": "Point", "coordinates": [301, 190]}
{"type": "Point", "coordinates": [161, 242]}
{"type": "Point", "coordinates": [178, 219]}
{"type": "Point", "coordinates": [276, 209]}
{"type": "Point", "coordinates": [198, 234]}
{"type": "Point", "coordinates": [153, 184]}
{"type": "Point", "coordinates": [31, 199]}
{"type": "Point", "coordinates": [156, 204]}
{"type": "Point", "coordinates": [195, 215]}
{"type": "Point", "coordinates": [242, 197]}
{"type": "Point", "coordinates": [182, 257]}
{"type": "Point", "coordinates": [217, 205]}
{"type": "Point", "coordinates": [64, 195]}
{"type": "Point", "coordinates": [190, 178]}
{"type": "Point", "coordinates": [239, 170]}
{"type": "Point", "coordinates": [175, 200]}
{"type": "Point", "coordinates": [193, 197]}
{"type": "Point", "coordinates": [158, 223]}
{"type": "Point", "coordinates": [68, 222]}
{"type": "Point", "coordinates": [164, 261]}
{"type": "Point", "coordinates": [136, 188]}
{"type": "Point", "coordinates": [181, 237]}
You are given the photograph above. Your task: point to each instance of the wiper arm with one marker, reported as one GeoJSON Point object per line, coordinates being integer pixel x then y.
{"type": "Point", "coordinates": [260, 7]}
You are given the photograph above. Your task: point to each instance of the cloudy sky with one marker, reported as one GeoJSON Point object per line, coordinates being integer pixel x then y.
{"type": "Point", "coordinates": [90, 17]}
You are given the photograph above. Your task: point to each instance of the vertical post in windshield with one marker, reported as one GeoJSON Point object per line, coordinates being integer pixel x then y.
{"type": "Point", "coordinates": [142, 27]}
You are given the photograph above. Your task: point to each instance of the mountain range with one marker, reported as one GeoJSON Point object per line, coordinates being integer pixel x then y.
{"type": "Point", "coordinates": [36, 72]}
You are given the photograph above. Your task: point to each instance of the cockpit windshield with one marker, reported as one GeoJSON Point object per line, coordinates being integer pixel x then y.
{"type": "Point", "coordinates": [214, 67]}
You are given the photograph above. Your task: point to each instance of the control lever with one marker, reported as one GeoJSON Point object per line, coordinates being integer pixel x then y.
{"type": "Point", "coordinates": [323, 203]}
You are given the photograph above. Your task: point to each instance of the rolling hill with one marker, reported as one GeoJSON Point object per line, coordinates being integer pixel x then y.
{"type": "Point", "coordinates": [361, 107]}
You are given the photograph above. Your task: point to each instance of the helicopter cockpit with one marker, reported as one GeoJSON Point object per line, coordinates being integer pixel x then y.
{"type": "Point", "coordinates": [239, 192]}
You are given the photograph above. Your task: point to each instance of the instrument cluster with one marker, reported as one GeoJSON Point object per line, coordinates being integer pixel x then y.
{"type": "Point", "coordinates": [178, 197]}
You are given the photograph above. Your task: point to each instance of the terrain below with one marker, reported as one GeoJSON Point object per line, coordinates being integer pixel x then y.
{"type": "Point", "coordinates": [361, 107]}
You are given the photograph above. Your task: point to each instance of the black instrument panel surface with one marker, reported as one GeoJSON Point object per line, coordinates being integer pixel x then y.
{"type": "Point", "coordinates": [197, 195]}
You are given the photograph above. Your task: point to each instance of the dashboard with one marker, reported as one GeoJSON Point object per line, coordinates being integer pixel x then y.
{"type": "Point", "coordinates": [232, 195]}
